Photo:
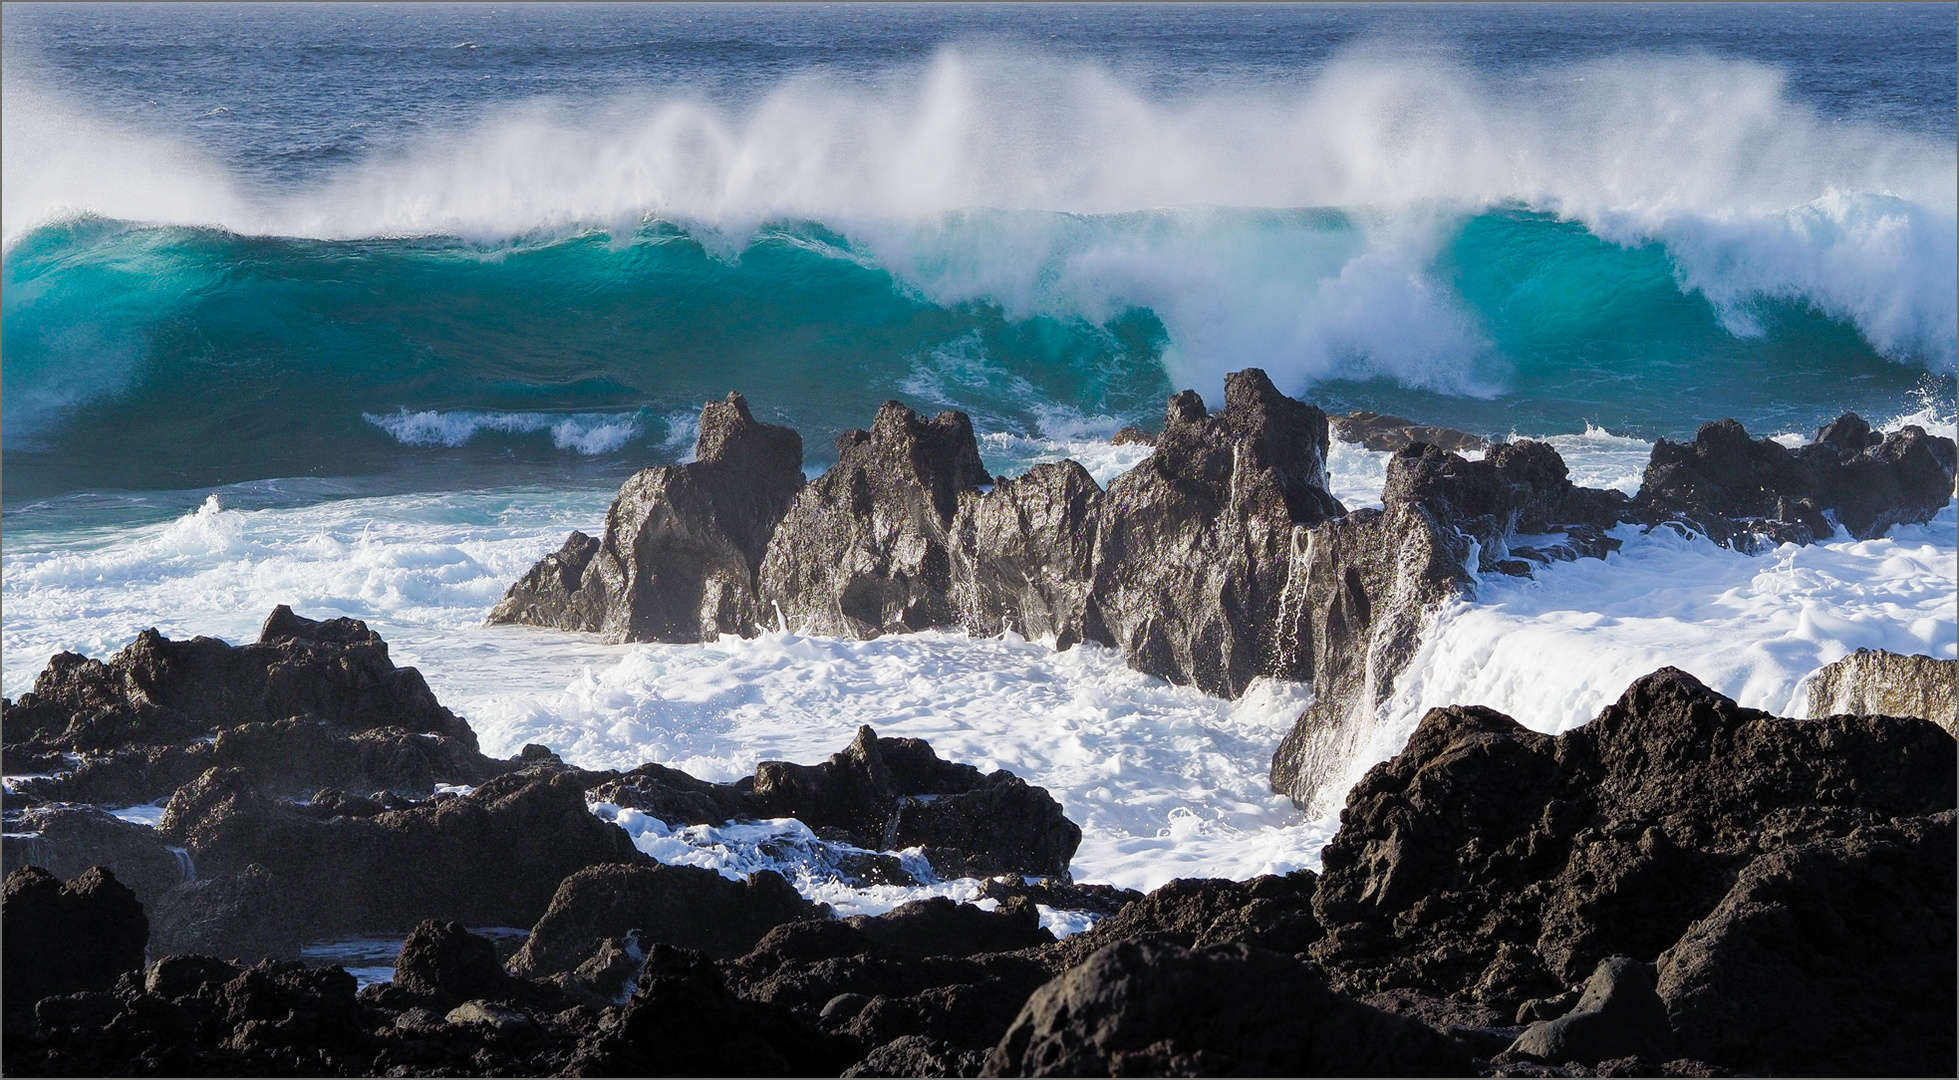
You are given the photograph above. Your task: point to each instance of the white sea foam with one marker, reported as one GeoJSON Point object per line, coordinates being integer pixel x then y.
{"type": "Point", "coordinates": [586, 433]}
{"type": "Point", "coordinates": [1060, 187]}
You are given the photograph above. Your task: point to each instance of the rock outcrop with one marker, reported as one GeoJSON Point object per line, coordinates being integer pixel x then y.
{"type": "Point", "coordinates": [1496, 865]}
{"type": "Point", "coordinates": [686, 906]}
{"type": "Point", "coordinates": [1889, 684]}
{"type": "Point", "coordinates": [1754, 493]}
{"type": "Point", "coordinates": [1139, 1008]}
{"type": "Point", "coordinates": [1384, 432]}
{"type": "Point", "coordinates": [682, 544]}
{"type": "Point", "coordinates": [67, 937]}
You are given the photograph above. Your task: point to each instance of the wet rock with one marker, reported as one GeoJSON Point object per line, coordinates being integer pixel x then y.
{"type": "Point", "coordinates": [1096, 899]}
{"type": "Point", "coordinates": [1889, 684]}
{"type": "Point", "coordinates": [445, 963]}
{"type": "Point", "coordinates": [493, 857]}
{"type": "Point", "coordinates": [937, 926]}
{"type": "Point", "coordinates": [1751, 493]}
{"type": "Point", "coordinates": [682, 542]}
{"type": "Point", "coordinates": [243, 915]}
{"type": "Point", "coordinates": [1271, 912]}
{"type": "Point", "coordinates": [867, 547]}
{"type": "Point", "coordinates": [66, 840]}
{"type": "Point", "coordinates": [1494, 864]}
{"type": "Point", "coordinates": [683, 1021]}
{"type": "Point", "coordinates": [1149, 1008]}
{"type": "Point", "coordinates": [1619, 1015]}
{"type": "Point", "coordinates": [66, 937]}
{"type": "Point", "coordinates": [685, 906]}
{"type": "Point", "coordinates": [675, 797]}
{"type": "Point", "coordinates": [1192, 558]}
{"type": "Point", "coordinates": [1024, 555]}
{"type": "Point", "coordinates": [1830, 958]}
{"type": "Point", "coordinates": [1382, 432]}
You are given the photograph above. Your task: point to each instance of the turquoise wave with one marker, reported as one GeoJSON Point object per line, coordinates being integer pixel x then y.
{"type": "Point", "coordinates": [156, 357]}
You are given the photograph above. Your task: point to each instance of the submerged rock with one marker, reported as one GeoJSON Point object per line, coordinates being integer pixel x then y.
{"type": "Point", "coordinates": [682, 543]}
{"type": "Point", "coordinates": [1495, 864]}
{"type": "Point", "coordinates": [1154, 1009]}
{"type": "Point", "coordinates": [1890, 684]}
{"type": "Point", "coordinates": [1750, 493]}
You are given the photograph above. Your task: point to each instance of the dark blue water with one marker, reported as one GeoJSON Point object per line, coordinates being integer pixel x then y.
{"type": "Point", "coordinates": [293, 232]}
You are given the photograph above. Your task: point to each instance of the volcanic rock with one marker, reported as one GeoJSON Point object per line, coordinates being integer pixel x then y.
{"type": "Point", "coordinates": [1155, 1009]}
{"type": "Point", "coordinates": [867, 547]}
{"type": "Point", "coordinates": [682, 542]}
{"type": "Point", "coordinates": [1024, 557]}
{"type": "Point", "coordinates": [1751, 493]}
{"type": "Point", "coordinates": [66, 937]}
{"type": "Point", "coordinates": [1889, 684]}
{"type": "Point", "coordinates": [243, 915]}
{"type": "Point", "coordinates": [445, 963]}
{"type": "Point", "coordinates": [66, 840]}
{"type": "Point", "coordinates": [1830, 958]}
{"type": "Point", "coordinates": [1272, 912]}
{"type": "Point", "coordinates": [1619, 1015]}
{"type": "Point", "coordinates": [685, 906]}
{"type": "Point", "coordinates": [1382, 432]}
{"type": "Point", "coordinates": [1494, 864]}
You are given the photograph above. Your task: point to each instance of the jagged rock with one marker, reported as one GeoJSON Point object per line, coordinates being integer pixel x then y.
{"type": "Point", "coordinates": [1747, 493]}
{"type": "Point", "coordinates": [939, 927]}
{"type": "Point", "coordinates": [493, 857]}
{"type": "Point", "coordinates": [1094, 898]}
{"type": "Point", "coordinates": [1024, 557]}
{"type": "Point", "coordinates": [1618, 1015]}
{"type": "Point", "coordinates": [1271, 912]}
{"type": "Point", "coordinates": [241, 916]}
{"type": "Point", "coordinates": [1889, 684]}
{"type": "Point", "coordinates": [1831, 958]}
{"type": "Point", "coordinates": [1155, 1009]}
{"type": "Point", "coordinates": [1192, 557]}
{"type": "Point", "coordinates": [683, 1021]}
{"type": "Point", "coordinates": [444, 962]}
{"type": "Point", "coordinates": [66, 840]}
{"type": "Point", "coordinates": [1379, 431]}
{"type": "Point", "coordinates": [1496, 864]}
{"type": "Point", "coordinates": [675, 797]}
{"type": "Point", "coordinates": [66, 937]}
{"type": "Point", "coordinates": [685, 906]}
{"type": "Point", "coordinates": [682, 543]}
{"type": "Point", "coordinates": [867, 547]}
{"type": "Point", "coordinates": [919, 1055]}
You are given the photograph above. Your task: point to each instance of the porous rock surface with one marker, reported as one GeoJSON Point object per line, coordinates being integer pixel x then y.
{"type": "Point", "coordinates": [66, 937]}
{"type": "Point", "coordinates": [1887, 683]}
{"type": "Point", "coordinates": [682, 543]}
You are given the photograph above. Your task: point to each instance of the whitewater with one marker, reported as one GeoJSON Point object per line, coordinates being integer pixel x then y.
{"type": "Point", "coordinates": [373, 354]}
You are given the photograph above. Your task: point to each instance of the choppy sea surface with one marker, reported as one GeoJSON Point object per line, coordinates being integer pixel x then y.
{"type": "Point", "coordinates": [362, 311]}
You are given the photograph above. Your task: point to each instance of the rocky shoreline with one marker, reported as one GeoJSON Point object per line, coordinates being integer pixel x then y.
{"type": "Point", "coordinates": [1681, 887]}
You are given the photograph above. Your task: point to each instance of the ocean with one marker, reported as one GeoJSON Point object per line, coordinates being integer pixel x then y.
{"type": "Point", "coordinates": [362, 309]}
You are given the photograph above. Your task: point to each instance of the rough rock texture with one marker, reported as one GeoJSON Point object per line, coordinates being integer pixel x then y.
{"type": "Point", "coordinates": [66, 937]}
{"type": "Point", "coordinates": [1271, 912]}
{"type": "Point", "coordinates": [1751, 493]}
{"type": "Point", "coordinates": [491, 858]}
{"type": "Point", "coordinates": [685, 906]}
{"type": "Point", "coordinates": [444, 962]}
{"type": "Point", "coordinates": [1889, 684]}
{"type": "Point", "coordinates": [1024, 557]}
{"type": "Point", "coordinates": [66, 840]}
{"type": "Point", "coordinates": [1379, 431]}
{"type": "Point", "coordinates": [1493, 864]}
{"type": "Point", "coordinates": [867, 547]}
{"type": "Point", "coordinates": [244, 915]}
{"type": "Point", "coordinates": [1363, 587]}
{"type": "Point", "coordinates": [1619, 1015]}
{"type": "Point", "coordinates": [1153, 1009]}
{"type": "Point", "coordinates": [682, 542]}
{"type": "Point", "coordinates": [1831, 958]}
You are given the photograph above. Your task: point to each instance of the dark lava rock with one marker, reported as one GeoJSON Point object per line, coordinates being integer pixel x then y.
{"type": "Point", "coordinates": [244, 915]}
{"type": "Point", "coordinates": [1193, 557]}
{"type": "Point", "coordinates": [1619, 1015]}
{"type": "Point", "coordinates": [867, 547]}
{"type": "Point", "coordinates": [937, 926]}
{"type": "Point", "coordinates": [683, 1021]}
{"type": "Point", "coordinates": [1271, 912]}
{"type": "Point", "coordinates": [66, 937]}
{"type": "Point", "coordinates": [66, 840]}
{"type": "Point", "coordinates": [682, 542]}
{"type": "Point", "coordinates": [493, 857]}
{"type": "Point", "coordinates": [1889, 684]}
{"type": "Point", "coordinates": [1155, 1009]}
{"type": "Point", "coordinates": [919, 1055]}
{"type": "Point", "coordinates": [1024, 557]}
{"type": "Point", "coordinates": [1379, 431]}
{"type": "Point", "coordinates": [1498, 865]}
{"type": "Point", "coordinates": [685, 906]}
{"type": "Point", "coordinates": [1749, 493]}
{"type": "Point", "coordinates": [1830, 958]}
{"type": "Point", "coordinates": [445, 963]}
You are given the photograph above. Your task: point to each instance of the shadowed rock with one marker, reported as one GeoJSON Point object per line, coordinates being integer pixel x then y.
{"type": "Point", "coordinates": [1890, 684]}
{"type": "Point", "coordinates": [1154, 1009]}
{"type": "Point", "coordinates": [682, 542]}
{"type": "Point", "coordinates": [685, 906]}
{"type": "Point", "coordinates": [66, 937]}
{"type": "Point", "coordinates": [66, 840]}
{"type": "Point", "coordinates": [1381, 432]}
{"type": "Point", "coordinates": [1492, 863]}
{"type": "Point", "coordinates": [1619, 1015]}
{"type": "Point", "coordinates": [445, 963]}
